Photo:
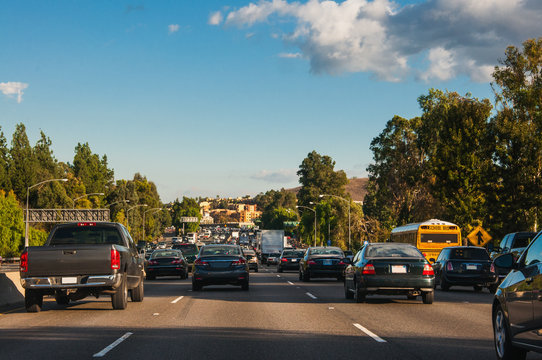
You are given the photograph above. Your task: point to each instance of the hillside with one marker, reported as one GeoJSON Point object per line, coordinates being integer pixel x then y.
{"type": "Point", "coordinates": [357, 188]}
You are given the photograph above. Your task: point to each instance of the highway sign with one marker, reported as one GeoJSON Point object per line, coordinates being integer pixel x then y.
{"type": "Point", "coordinates": [188, 219]}
{"type": "Point", "coordinates": [479, 236]}
{"type": "Point", "coordinates": [291, 223]}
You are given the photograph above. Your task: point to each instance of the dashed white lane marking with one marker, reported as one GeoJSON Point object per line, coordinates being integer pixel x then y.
{"type": "Point", "coordinates": [370, 333]}
{"type": "Point", "coordinates": [331, 308]}
{"type": "Point", "coordinates": [311, 296]}
{"type": "Point", "coordinates": [113, 345]}
{"type": "Point", "coordinates": [291, 283]}
{"type": "Point", "coordinates": [278, 275]}
{"type": "Point", "coordinates": [177, 300]}
{"type": "Point", "coordinates": [155, 314]}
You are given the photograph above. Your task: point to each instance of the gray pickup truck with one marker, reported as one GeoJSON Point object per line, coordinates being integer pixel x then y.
{"type": "Point", "coordinates": [80, 260]}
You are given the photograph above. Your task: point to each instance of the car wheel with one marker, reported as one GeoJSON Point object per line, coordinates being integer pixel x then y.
{"type": "Point", "coordinates": [444, 285]}
{"type": "Point", "coordinates": [119, 299]}
{"type": "Point", "coordinates": [300, 275]}
{"type": "Point", "coordinates": [306, 277]}
{"type": "Point", "coordinates": [503, 344]}
{"type": "Point", "coordinates": [244, 285]}
{"type": "Point", "coordinates": [138, 293]}
{"type": "Point", "coordinates": [196, 286]}
{"type": "Point", "coordinates": [493, 288]}
{"type": "Point", "coordinates": [359, 294]}
{"type": "Point", "coordinates": [428, 297]}
{"type": "Point", "coordinates": [33, 300]}
{"type": "Point", "coordinates": [279, 269]}
{"type": "Point", "coordinates": [347, 293]}
{"type": "Point", "coordinates": [477, 288]}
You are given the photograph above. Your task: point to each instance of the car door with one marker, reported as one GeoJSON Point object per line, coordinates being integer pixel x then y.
{"type": "Point", "coordinates": [350, 270]}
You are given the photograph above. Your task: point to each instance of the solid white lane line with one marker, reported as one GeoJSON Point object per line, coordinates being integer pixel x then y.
{"type": "Point", "coordinates": [291, 283]}
{"type": "Point", "coordinates": [177, 299]}
{"type": "Point", "coordinates": [311, 295]}
{"type": "Point", "coordinates": [370, 333]}
{"type": "Point", "coordinates": [113, 345]}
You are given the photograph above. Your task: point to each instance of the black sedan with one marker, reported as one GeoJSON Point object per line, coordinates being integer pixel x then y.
{"type": "Point", "coordinates": [517, 315]}
{"type": "Point", "coordinates": [322, 262]}
{"type": "Point", "coordinates": [220, 265]}
{"type": "Point", "coordinates": [465, 266]}
{"type": "Point", "coordinates": [389, 269]}
{"type": "Point", "coordinates": [166, 262]}
{"type": "Point", "coordinates": [289, 260]}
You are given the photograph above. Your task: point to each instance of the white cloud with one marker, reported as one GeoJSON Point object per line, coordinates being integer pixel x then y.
{"type": "Point", "coordinates": [290, 55]}
{"type": "Point", "coordinates": [282, 176]}
{"type": "Point", "coordinates": [383, 38]}
{"type": "Point", "coordinates": [13, 88]}
{"type": "Point", "coordinates": [173, 28]}
{"type": "Point", "coordinates": [215, 18]}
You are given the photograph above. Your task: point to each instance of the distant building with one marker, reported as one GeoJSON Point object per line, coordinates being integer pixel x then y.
{"type": "Point", "coordinates": [247, 213]}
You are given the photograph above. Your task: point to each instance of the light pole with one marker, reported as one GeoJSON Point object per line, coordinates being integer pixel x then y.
{"type": "Point", "coordinates": [127, 213]}
{"type": "Point", "coordinates": [82, 196]}
{"type": "Point", "coordinates": [144, 212]}
{"type": "Point", "coordinates": [313, 210]}
{"type": "Point", "coordinates": [27, 195]}
{"type": "Point", "coordinates": [348, 201]}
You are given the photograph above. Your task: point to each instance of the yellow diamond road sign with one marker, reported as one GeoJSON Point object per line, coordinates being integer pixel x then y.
{"type": "Point", "coordinates": [479, 237]}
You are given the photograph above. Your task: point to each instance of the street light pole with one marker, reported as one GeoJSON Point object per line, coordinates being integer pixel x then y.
{"type": "Point", "coordinates": [27, 213]}
{"type": "Point", "coordinates": [313, 210]}
{"type": "Point", "coordinates": [82, 196]}
{"type": "Point", "coordinates": [348, 201]}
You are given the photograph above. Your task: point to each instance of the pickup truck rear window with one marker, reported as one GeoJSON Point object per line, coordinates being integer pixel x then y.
{"type": "Point", "coordinates": [86, 235]}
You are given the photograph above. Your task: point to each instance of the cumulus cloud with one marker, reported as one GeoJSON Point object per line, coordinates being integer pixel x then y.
{"type": "Point", "coordinates": [13, 89]}
{"type": "Point", "coordinates": [173, 28]}
{"type": "Point", "coordinates": [215, 18]}
{"type": "Point", "coordinates": [282, 176]}
{"type": "Point", "coordinates": [460, 37]}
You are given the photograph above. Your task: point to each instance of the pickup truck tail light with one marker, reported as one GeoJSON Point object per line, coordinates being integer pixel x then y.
{"type": "Point", "coordinates": [115, 259]}
{"type": "Point", "coordinates": [24, 261]}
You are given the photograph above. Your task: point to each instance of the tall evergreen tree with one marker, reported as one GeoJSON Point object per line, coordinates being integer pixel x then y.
{"type": "Point", "coordinates": [22, 163]}
{"type": "Point", "coordinates": [4, 162]}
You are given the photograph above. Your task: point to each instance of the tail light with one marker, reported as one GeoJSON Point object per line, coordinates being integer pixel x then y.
{"type": "Point", "coordinates": [201, 262]}
{"type": "Point", "coordinates": [153, 262]}
{"type": "Point", "coordinates": [449, 266]}
{"type": "Point", "coordinates": [240, 261]}
{"type": "Point", "coordinates": [86, 224]}
{"type": "Point", "coordinates": [342, 263]}
{"type": "Point", "coordinates": [428, 270]}
{"type": "Point", "coordinates": [177, 261]}
{"type": "Point", "coordinates": [24, 261]}
{"type": "Point", "coordinates": [311, 262]}
{"type": "Point", "coordinates": [369, 269]}
{"type": "Point", "coordinates": [115, 259]}
{"type": "Point", "coordinates": [283, 260]}
{"type": "Point", "coordinates": [492, 268]}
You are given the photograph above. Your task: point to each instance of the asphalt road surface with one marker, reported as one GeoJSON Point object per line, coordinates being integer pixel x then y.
{"type": "Point", "coordinates": [278, 318]}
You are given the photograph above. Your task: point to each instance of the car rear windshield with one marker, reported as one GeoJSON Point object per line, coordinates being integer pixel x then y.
{"type": "Point", "coordinates": [187, 249]}
{"type": "Point", "coordinates": [220, 250]}
{"type": "Point", "coordinates": [327, 251]}
{"type": "Point", "coordinates": [292, 254]}
{"type": "Point", "coordinates": [469, 254]}
{"type": "Point", "coordinates": [165, 254]}
{"type": "Point", "coordinates": [86, 235]}
{"type": "Point", "coordinates": [375, 251]}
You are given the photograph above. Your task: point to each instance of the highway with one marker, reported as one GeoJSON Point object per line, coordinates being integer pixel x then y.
{"type": "Point", "coordinates": [278, 318]}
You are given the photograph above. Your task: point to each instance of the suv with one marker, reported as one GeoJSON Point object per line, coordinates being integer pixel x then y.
{"type": "Point", "coordinates": [517, 302]}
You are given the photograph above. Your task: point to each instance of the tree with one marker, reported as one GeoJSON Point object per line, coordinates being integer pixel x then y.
{"type": "Point", "coordinates": [517, 130]}
{"type": "Point", "coordinates": [22, 163]}
{"type": "Point", "coordinates": [274, 218]}
{"type": "Point", "coordinates": [188, 207]}
{"type": "Point", "coordinates": [92, 170]}
{"type": "Point", "coordinates": [4, 162]}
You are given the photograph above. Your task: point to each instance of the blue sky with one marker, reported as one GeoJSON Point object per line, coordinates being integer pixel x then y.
{"type": "Point", "coordinates": [227, 97]}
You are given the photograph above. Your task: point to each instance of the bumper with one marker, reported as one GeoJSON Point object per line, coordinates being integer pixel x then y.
{"type": "Point", "coordinates": [397, 285]}
{"type": "Point", "coordinates": [236, 277]}
{"type": "Point", "coordinates": [165, 270]}
{"type": "Point", "coordinates": [315, 273]}
{"type": "Point", "coordinates": [289, 266]}
{"type": "Point", "coordinates": [72, 282]}
{"type": "Point", "coordinates": [470, 280]}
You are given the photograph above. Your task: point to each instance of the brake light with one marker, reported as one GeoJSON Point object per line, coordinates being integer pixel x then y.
{"type": "Point", "coordinates": [153, 262]}
{"type": "Point", "coordinates": [369, 269]}
{"type": "Point", "coordinates": [428, 270]}
{"type": "Point", "coordinates": [177, 261]}
{"type": "Point", "coordinates": [449, 266]}
{"type": "Point", "coordinates": [201, 262]}
{"type": "Point", "coordinates": [283, 260]}
{"type": "Point", "coordinates": [115, 259]}
{"type": "Point", "coordinates": [342, 263]}
{"type": "Point", "coordinates": [24, 261]}
{"type": "Point", "coordinates": [311, 262]}
{"type": "Point", "coordinates": [492, 268]}
{"type": "Point", "coordinates": [86, 224]}
{"type": "Point", "coordinates": [240, 261]}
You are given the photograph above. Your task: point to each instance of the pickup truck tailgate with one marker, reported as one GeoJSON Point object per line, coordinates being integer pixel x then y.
{"type": "Point", "coordinates": [69, 260]}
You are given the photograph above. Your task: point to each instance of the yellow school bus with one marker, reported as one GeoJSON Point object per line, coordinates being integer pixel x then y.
{"type": "Point", "coordinates": [430, 237]}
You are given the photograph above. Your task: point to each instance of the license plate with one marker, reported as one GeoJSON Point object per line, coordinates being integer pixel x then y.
{"type": "Point", "coordinates": [472, 267]}
{"type": "Point", "coordinates": [294, 260]}
{"type": "Point", "coordinates": [69, 280]}
{"type": "Point", "coordinates": [398, 269]}
{"type": "Point", "coordinates": [327, 262]}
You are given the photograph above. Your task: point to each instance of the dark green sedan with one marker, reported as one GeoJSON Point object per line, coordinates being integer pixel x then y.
{"type": "Point", "coordinates": [389, 269]}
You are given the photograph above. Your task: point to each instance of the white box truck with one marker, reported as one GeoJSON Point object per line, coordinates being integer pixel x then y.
{"type": "Point", "coordinates": [272, 242]}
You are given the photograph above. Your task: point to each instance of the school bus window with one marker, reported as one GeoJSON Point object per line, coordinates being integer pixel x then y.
{"type": "Point", "coordinates": [438, 238]}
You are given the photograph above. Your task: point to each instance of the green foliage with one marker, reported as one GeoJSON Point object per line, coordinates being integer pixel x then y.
{"type": "Point", "coordinates": [11, 225]}
{"type": "Point", "coordinates": [92, 170]}
{"type": "Point", "coordinates": [187, 207]}
{"type": "Point", "coordinates": [274, 218]}
{"type": "Point", "coordinates": [22, 163]}
{"type": "Point", "coordinates": [4, 152]}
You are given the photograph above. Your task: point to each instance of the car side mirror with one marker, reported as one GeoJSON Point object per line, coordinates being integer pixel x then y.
{"type": "Point", "coordinates": [505, 261]}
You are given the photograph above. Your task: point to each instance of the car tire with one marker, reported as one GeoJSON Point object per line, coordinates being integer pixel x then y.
{"type": "Point", "coordinates": [300, 275]}
{"type": "Point", "coordinates": [138, 293]}
{"type": "Point", "coordinates": [428, 297]}
{"type": "Point", "coordinates": [151, 277]}
{"type": "Point", "coordinates": [196, 286]}
{"type": "Point", "coordinates": [347, 293]}
{"type": "Point", "coordinates": [33, 300]}
{"type": "Point", "coordinates": [279, 269]}
{"type": "Point", "coordinates": [306, 277]}
{"type": "Point", "coordinates": [493, 288]}
{"type": "Point", "coordinates": [477, 288]}
{"type": "Point", "coordinates": [359, 294]}
{"type": "Point", "coordinates": [245, 285]}
{"type": "Point", "coordinates": [444, 285]}
{"type": "Point", "coordinates": [256, 270]}
{"type": "Point", "coordinates": [62, 299]}
{"type": "Point", "coordinates": [119, 299]}
{"type": "Point", "coordinates": [504, 348]}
